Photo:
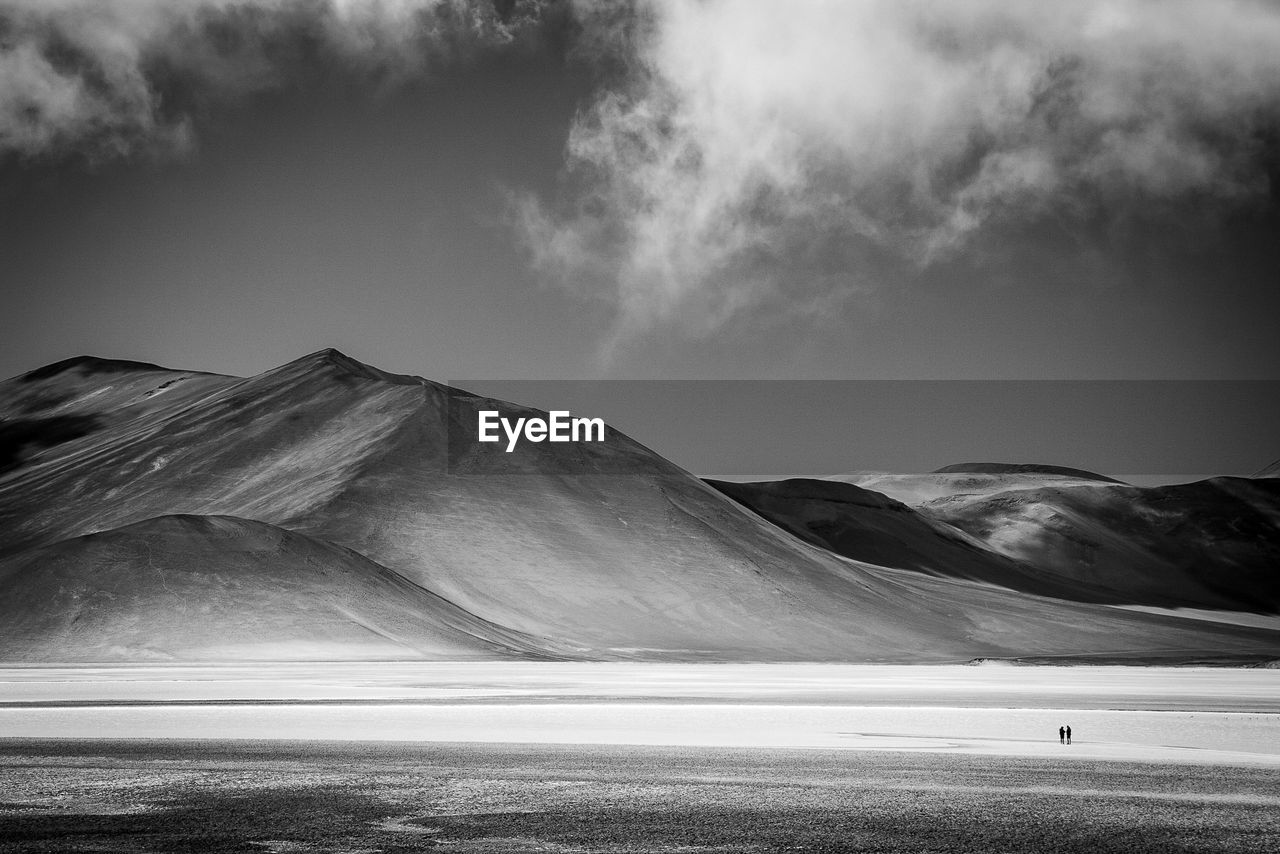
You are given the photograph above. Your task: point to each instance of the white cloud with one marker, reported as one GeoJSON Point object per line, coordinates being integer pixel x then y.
{"type": "Point", "coordinates": [761, 153]}
{"type": "Point", "coordinates": [89, 75]}
{"type": "Point", "coordinates": [753, 156]}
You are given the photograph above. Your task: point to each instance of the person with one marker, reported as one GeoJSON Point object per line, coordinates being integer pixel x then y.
{"type": "Point", "coordinates": [1068, 734]}
{"type": "Point", "coordinates": [1062, 735]}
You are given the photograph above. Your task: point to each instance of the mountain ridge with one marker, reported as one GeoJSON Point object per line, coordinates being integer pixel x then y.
{"type": "Point", "coordinates": [1023, 468]}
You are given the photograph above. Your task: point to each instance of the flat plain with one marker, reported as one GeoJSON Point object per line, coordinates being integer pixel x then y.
{"type": "Point", "coordinates": [629, 758]}
{"type": "Point", "coordinates": [238, 796]}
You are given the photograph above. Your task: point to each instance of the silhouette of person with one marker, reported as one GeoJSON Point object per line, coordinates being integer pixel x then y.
{"type": "Point", "coordinates": [1062, 735]}
{"type": "Point", "coordinates": [1068, 735]}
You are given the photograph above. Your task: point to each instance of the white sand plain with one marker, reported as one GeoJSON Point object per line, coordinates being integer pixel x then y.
{"type": "Point", "coordinates": [1183, 715]}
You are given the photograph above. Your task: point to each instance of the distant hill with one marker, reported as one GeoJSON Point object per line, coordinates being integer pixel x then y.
{"type": "Point", "coordinates": [918, 490]}
{"type": "Point", "coordinates": [867, 526]}
{"type": "Point", "coordinates": [1210, 544]}
{"type": "Point", "coordinates": [1022, 468]}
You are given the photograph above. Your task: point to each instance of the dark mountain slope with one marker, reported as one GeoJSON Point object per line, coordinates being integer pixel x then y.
{"type": "Point", "coordinates": [1210, 544]}
{"type": "Point", "coordinates": [60, 408]}
{"type": "Point", "coordinates": [867, 526]}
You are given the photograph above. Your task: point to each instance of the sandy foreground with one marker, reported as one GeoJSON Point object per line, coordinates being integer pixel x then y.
{"type": "Point", "coordinates": [320, 796]}
{"type": "Point", "coordinates": [1184, 715]}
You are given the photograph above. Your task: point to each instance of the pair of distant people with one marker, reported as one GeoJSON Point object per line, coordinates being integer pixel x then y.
{"type": "Point", "coordinates": [1064, 735]}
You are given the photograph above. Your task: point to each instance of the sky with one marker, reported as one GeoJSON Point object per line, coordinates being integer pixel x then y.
{"type": "Point", "coordinates": [1144, 432]}
{"type": "Point", "coordinates": [723, 189]}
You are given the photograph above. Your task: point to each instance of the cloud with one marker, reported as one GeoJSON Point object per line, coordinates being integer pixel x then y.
{"type": "Point", "coordinates": [758, 156]}
{"type": "Point", "coordinates": [112, 77]}
{"type": "Point", "coordinates": [745, 157]}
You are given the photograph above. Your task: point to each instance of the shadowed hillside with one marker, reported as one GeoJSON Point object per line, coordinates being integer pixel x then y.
{"type": "Point", "coordinates": [1210, 544]}
{"type": "Point", "coordinates": [56, 409]}
{"type": "Point", "coordinates": [867, 526]}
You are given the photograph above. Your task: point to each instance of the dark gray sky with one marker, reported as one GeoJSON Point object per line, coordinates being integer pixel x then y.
{"type": "Point", "coordinates": [736, 190]}
{"type": "Point", "coordinates": [1142, 431]}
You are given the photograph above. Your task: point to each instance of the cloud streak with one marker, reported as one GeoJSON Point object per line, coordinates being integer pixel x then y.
{"type": "Point", "coordinates": [778, 154]}
{"type": "Point", "coordinates": [113, 77]}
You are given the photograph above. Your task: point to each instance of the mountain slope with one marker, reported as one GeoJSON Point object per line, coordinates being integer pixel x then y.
{"type": "Point", "coordinates": [1209, 544]}
{"type": "Point", "coordinates": [867, 526]}
{"type": "Point", "coordinates": [50, 410]}
{"type": "Point", "coordinates": [605, 549]}
{"type": "Point", "coordinates": [217, 587]}
{"type": "Point", "coordinates": [1272, 470]}
{"type": "Point", "coordinates": [917, 490]}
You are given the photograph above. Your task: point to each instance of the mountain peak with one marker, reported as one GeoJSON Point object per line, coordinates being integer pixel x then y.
{"type": "Point", "coordinates": [335, 362]}
{"type": "Point", "coordinates": [89, 365]}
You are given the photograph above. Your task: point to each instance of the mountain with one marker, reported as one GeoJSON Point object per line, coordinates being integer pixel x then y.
{"type": "Point", "coordinates": [1272, 470]}
{"type": "Point", "coordinates": [52, 407]}
{"type": "Point", "coordinates": [202, 587]}
{"type": "Point", "coordinates": [584, 550]}
{"type": "Point", "coordinates": [868, 526]}
{"type": "Point", "coordinates": [1210, 544]}
{"type": "Point", "coordinates": [917, 490]}
{"type": "Point", "coordinates": [1023, 468]}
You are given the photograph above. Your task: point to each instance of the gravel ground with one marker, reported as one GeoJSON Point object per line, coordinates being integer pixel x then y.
{"type": "Point", "coordinates": [384, 797]}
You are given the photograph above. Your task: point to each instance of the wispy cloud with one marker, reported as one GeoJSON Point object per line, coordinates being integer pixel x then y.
{"type": "Point", "coordinates": [110, 77]}
{"type": "Point", "coordinates": [772, 154]}
{"type": "Point", "coordinates": [748, 156]}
